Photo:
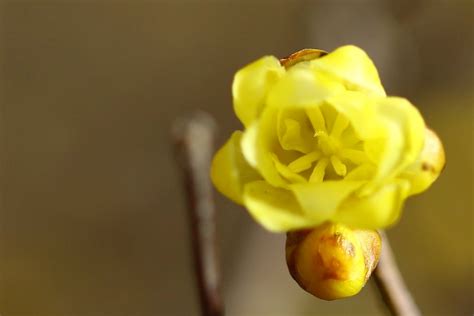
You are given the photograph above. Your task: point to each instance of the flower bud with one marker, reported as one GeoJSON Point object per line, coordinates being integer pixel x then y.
{"type": "Point", "coordinates": [332, 261]}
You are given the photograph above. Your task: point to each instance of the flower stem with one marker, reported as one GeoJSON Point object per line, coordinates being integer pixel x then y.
{"type": "Point", "coordinates": [194, 139]}
{"type": "Point", "coordinates": [390, 284]}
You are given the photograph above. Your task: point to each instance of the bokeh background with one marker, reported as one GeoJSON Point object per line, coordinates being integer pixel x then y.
{"type": "Point", "coordinates": [93, 220]}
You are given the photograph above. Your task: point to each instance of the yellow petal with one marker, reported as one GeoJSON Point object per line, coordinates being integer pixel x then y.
{"type": "Point", "coordinates": [377, 210]}
{"type": "Point", "coordinates": [251, 85]}
{"type": "Point", "coordinates": [292, 138]}
{"type": "Point", "coordinates": [294, 129]}
{"type": "Point", "coordinates": [360, 110]}
{"type": "Point", "coordinates": [428, 166]}
{"type": "Point", "coordinates": [351, 65]}
{"type": "Point", "coordinates": [320, 200]}
{"type": "Point", "coordinates": [392, 128]}
{"type": "Point", "coordinates": [274, 208]}
{"type": "Point", "coordinates": [297, 91]}
{"type": "Point", "coordinates": [230, 171]}
{"type": "Point", "coordinates": [365, 171]}
{"type": "Point", "coordinates": [263, 144]}
{"type": "Point", "coordinates": [356, 156]}
{"type": "Point", "coordinates": [405, 134]}
{"type": "Point", "coordinates": [249, 144]}
{"type": "Point", "coordinates": [339, 126]}
{"type": "Point", "coordinates": [300, 87]}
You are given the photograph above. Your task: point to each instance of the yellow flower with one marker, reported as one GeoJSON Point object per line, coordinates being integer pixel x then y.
{"type": "Point", "coordinates": [323, 142]}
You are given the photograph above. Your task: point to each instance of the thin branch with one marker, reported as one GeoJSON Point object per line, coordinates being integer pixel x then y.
{"type": "Point", "coordinates": [194, 138]}
{"type": "Point", "coordinates": [390, 283]}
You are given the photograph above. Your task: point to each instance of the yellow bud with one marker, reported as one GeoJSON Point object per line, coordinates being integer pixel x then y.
{"type": "Point", "coordinates": [332, 261]}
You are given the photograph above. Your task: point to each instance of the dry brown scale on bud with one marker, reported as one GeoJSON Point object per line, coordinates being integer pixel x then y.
{"type": "Point", "coordinates": [302, 55]}
{"type": "Point", "coordinates": [332, 261]}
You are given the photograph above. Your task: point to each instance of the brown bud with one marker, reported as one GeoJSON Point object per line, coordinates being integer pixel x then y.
{"type": "Point", "coordinates": [302, 55]}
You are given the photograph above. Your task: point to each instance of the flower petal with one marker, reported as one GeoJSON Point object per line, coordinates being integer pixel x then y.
{"type": "Point", "coordinates": [351, 65]}
{"type": "Point", "coordinates": [249, 144]}
{"type": "Point", "coordinates": [364, 171]}
{"type": "Point", "coordinates": [274, 208]}
{"type": "Point", "coordinates": [301, 87]}
{"type": "Point", "coordinates": [230, 171]}
{"type": "Point", "coordinates": [321, 200]}
{"type": "Point", "coordinates": [428, 166]}
{"type": "Point", "coordinates": [392, 128]}
{"type": "Point", "coordinates": [251, 85]}
{"type": "Point", "coordinates": [259, 146]}
{"type": "Point", "coordinates": [294, 130]}
{"type": "Point", "coordinates": [377, 210]}
{"type": "Point", "coordinates": [405, 130]}
{"type": "Point", "coordinates": [360, 110]}
{"type": "Point", "coordinates": [297, 91]}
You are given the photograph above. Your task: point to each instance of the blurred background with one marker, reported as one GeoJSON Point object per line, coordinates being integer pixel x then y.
{"type": "Point", "coordinates": [93, 219]}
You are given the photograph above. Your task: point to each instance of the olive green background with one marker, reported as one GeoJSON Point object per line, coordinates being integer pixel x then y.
{"type": "Point", "coordinates": [92, 217]}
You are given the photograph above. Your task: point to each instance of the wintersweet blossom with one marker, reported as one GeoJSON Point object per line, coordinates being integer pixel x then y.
{"type": "Point", "coordinates": [323, 142]}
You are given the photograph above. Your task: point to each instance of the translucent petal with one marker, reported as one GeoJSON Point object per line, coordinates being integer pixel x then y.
{"type": "Point", "coordinates": [405, 135]}
{"type": "Point", "coordinates": [428, 166]}
{"type": "Point", "coordinates": [353, 155]}
{"type": "Point", "coordinates": [230, 171]}
{"type": "Point", "coordinates": [377, 210]}
{"type": "Point", "coordinates": [293, 139]}
{"type": "Point", "coordinates": [300, 88]}
{"type": "Point", "coordinates": [249, 144]}
{"type": "Point", "coordinates": [360, 110]}
{"type": "Point", "coordinates": [264, 144]}
{"type": "Point", "coordinates": [392, 128]}
{"type": "Point", "coordinates": [295, 92]}
{"type": "Point", "coordinates": [349, 139]}
{"type": "Point", "coordinates": [365, 171]}
{"type": "Point", "coordinates": [351, 65]}
{"type": "Point", "coordinates": [339, 126]}
{"type": "Point", "coordinates": [274, 208]}
{"type": "Point", "coordinates": [321, 200]}
{"type": "Point", "coordinates": [251, 85]}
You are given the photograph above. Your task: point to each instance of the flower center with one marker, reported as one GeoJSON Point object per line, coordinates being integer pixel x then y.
{"type": "Point", "coordinates": [328, 145]}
